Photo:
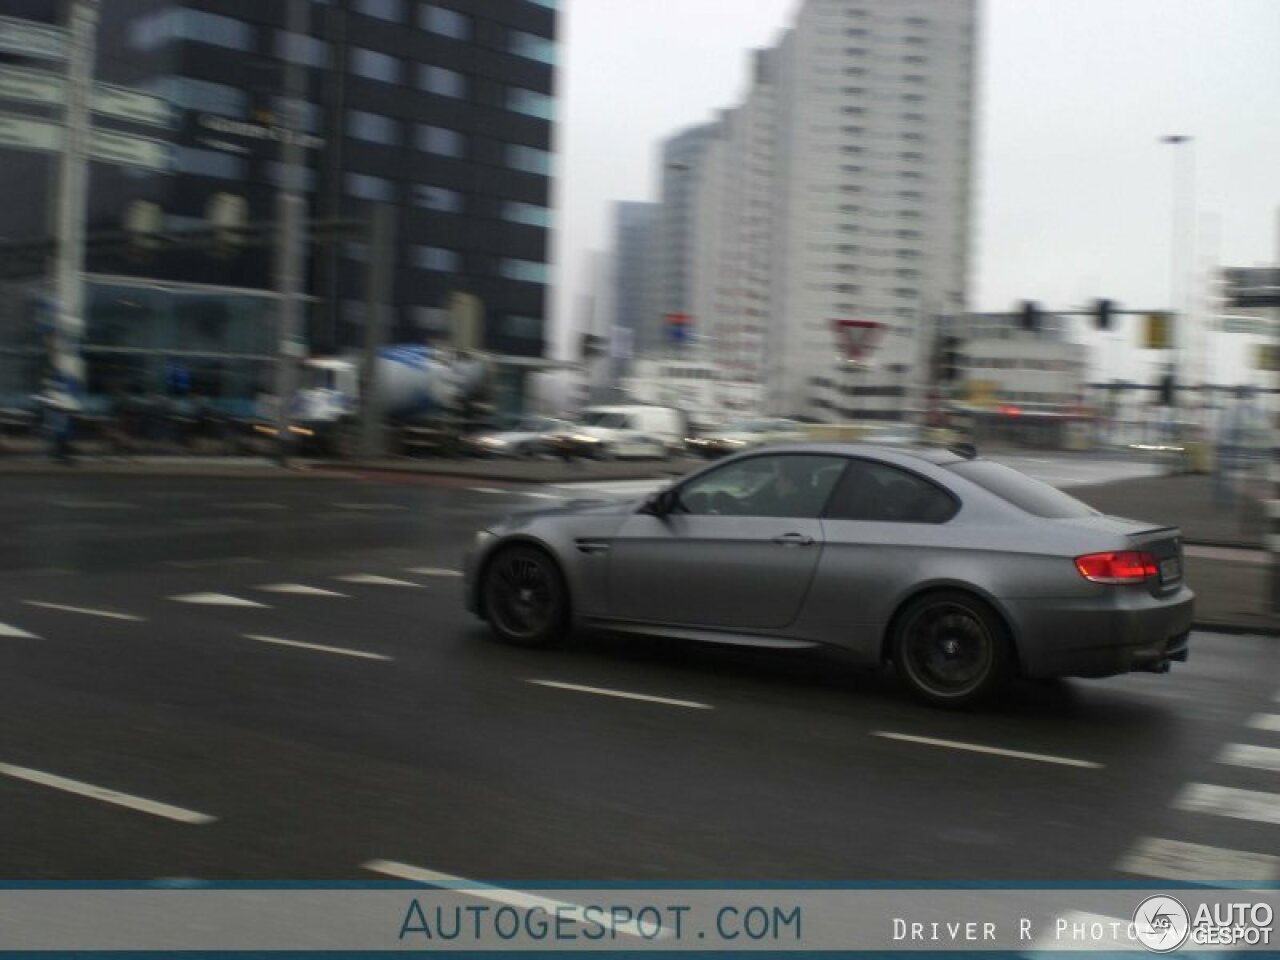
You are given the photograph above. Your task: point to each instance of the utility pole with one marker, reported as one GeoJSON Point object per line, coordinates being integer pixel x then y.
{"type": "Point", "coordinates": [68, 326]}
{"type": "Point", "coordinates": [377, 307]}
{"type": "Point", "coordinates": [290, 217]}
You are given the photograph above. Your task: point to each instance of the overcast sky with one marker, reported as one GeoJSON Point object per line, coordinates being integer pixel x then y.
{"type": "Point", "coordinates": [1074, 194]}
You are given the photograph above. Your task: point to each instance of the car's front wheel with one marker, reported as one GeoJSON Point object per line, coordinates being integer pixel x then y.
{"type": "Point", "coordinates": [525, 598]}
{"type": "Point", "coordinates": [951, 650]}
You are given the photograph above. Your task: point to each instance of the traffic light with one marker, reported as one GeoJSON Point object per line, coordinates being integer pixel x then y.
{"type": "Point", "coordinates": [1102, 313]}
{"type": "Point", "coordinates": [1030, 315]}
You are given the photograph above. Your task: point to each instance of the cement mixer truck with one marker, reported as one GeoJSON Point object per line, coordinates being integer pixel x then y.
{"type": "Point", "coordinates": [427, 398]}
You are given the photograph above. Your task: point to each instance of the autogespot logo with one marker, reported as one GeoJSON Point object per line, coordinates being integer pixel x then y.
{"type": "Point", "coordinates": [1161, 924]}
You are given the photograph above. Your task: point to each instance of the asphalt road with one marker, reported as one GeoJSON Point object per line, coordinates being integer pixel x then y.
{"type": "Point", "coordinates": [178, 701]}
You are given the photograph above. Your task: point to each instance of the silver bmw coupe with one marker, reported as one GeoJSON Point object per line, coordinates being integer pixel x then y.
{"type": "Point", "coordinates": [960, 571]}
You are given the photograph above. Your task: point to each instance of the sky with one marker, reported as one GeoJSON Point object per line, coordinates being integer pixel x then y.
{"type": "Point", "coordinates": [1075, 195]}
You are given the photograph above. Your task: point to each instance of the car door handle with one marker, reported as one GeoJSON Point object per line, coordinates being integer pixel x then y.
{"type": "Point", "coordinates": [793, 540]}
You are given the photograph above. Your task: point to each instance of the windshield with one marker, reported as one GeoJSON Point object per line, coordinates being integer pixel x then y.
{"type": "Point", "coordinates": [604, 418]}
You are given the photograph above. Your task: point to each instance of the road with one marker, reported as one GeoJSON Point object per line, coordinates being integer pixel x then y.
{"type": "Point", "coordinates": [273, 677]}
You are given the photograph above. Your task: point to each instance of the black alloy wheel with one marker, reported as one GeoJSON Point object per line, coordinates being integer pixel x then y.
{"type": "Point", "coordinates": [525, 598]}
{"type": "Point", "coordinates": [951, 650]}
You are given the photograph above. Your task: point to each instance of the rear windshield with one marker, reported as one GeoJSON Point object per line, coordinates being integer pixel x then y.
{"type": "Point", "coordinates": [1026, 493]}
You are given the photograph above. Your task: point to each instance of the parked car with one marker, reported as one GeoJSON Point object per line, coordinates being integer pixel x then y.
{"type": "Point", "coordinates": [960, 571]}
{"type": "Point", "coordinates": [744, 435]}
{"type": "Point", "coordinates": [609, 432]}
{"type": "Point", "coordinates": [526, 437]}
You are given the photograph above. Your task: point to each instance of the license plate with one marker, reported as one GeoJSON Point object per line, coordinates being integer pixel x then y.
{"type": "Point", "coordinates": [1170, 569]}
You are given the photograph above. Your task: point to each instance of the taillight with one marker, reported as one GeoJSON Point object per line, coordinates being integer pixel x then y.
{"type": "Point", "coordinates": [1126, 566]}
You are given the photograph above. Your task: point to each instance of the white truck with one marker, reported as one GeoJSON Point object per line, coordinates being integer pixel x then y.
{"type": "Point", "coordinates": [427, 399]}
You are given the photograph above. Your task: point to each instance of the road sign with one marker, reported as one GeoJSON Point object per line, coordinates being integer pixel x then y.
{"type": "Point", "coordinates": [30, 39]}
{"type": "Point", "coordinates": [23, 133]}
{"type": "Point", "coordinates": [130, 151]}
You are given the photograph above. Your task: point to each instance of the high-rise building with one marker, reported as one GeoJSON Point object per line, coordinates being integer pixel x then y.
{"type": "Point", "coordinates": [635, 227]}
{"type": "Point", "coordinates": [838, 190]}
{"type": "Point", "coordinates": [442, 110]}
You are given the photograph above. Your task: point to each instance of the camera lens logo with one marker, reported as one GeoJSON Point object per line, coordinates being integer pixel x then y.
{"type": "Point", "coordinates": [1161, 924]}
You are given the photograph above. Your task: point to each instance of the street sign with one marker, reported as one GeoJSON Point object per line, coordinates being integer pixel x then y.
{"type": "Point", "coordinates": [23, 133]}
{"type": "Point", "coordinates": [130, 151]}
{"type": "Point", "coordinates": [30, 86]}
{"type": "Point", "coordinates": [1158, 329]}
{"type": "Point", "coordinates": [29, 39]}
{"type": "Point", "coordinates": [42, 87]}
{"type": "Point", "coordinates": [133, 105]}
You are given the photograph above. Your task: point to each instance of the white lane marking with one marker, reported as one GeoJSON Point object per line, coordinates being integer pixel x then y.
{"type": "Point", "coordinates": [216, 599]}
{"type": "Point", "coordinates": [369, 506]}
{"type": "Point", "coordinates": [301, 589]}
{"type": "Point", "coordinates": [496, 490]}
{"type": "Point", "coordinates": [515, 898]}
{"type": "Point", "coordinates": [112, 614]}
{"type": "Point", "coordinates": [376, 581]}
{"type": "Point", "coordinates": [434, 571]}
{"type": "Point", "coordinates": [153, 807]}
{"type": "Point", "coordinates": [214, 562]}
{"type": "Point", "coordinates": [250, 505]}
{"type": "Point", "coordinates": [1112, 933]}
{"type": "Point", "coordinates": [7, 631]}
{"type": "Point", "coordinates": [1229, 802]}
{"type": "Point", "coordinates": [1248, 755]}
{"type": "Point", "coordinates": [1265, 721]}
{"type": "Point", "coordinates": [623, 694]}
{"type": "Point", "coordinates": [96, 504]}
{"type": "Point", "coordinates": [995, 751]}
{"type": "Point", "coordinates": [323, 648]}
{"type": "Point", "coordinates": [1197, 863]}
{"type": "Point", "coordinates": [544, 496]}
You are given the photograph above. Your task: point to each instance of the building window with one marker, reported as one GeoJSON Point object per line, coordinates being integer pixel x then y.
{"type": "Point", "coordinates": [305, 116]}
{"type": "Point", "coordinates": [437, 198]}
{"type": "Point", "coordinates": [529, 213]}
{"type": "Point", "coordinates": [520, 327]}
{"type": "Point", "coordinates": [446, 22]}
{"type": "Point", "coordinates": [204, 96]}
{"type": "Point", "coordinates": [373, 127]}
{"type": "Point", "coordinates": [298, 48]}
{"type": "Point", "coordinates": [365, 187]}
{"type": "Point", "coordinates": [529, 159]}
{"type": "Point", "coordinates": [374, 65]}
{"type": "Point", "coordinates": [529, 102]}
{"type": "Point", "coordinates": [305, 181]}
{"type": "Point", "coordinates": [530, 271]}
{"type": "Point", "coordinates": [439, 80]}
{"type": "Point", "coordinates": [178, 23]}
{"type": "Point", "coordinates": [440, 140]}
{"type": "Point", "coordinates": [208, 163]}
{"type": "Point", "coordinates": [438, 259]}
{"type": "Point", "coordinates": [531, 46]}
{"type": "Point", "coordinates": [392, 10]}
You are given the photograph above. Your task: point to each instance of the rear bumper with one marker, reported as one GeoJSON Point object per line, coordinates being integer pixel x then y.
{"type": "Point", "coordinates": [1117, 632]}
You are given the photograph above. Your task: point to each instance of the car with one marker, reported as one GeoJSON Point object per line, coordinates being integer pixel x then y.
{"type": "Point", "coordinates": [960, 571]}
{"type": "Point", "coordinates": [744, 435]}
{"type": "Point", "coordinates": [624, 430]}
{"type": "Point", "coordinates": [526, 437]}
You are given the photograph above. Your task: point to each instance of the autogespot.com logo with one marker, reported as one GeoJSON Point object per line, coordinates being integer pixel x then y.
{"type": "Point", "coordinates": [1161, 924]}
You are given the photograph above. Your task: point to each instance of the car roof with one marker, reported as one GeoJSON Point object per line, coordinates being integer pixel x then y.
{"type": "Point", "coordinates": [901, 455]}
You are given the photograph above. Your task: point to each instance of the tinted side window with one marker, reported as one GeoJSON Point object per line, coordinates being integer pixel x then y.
{"type": "Point", "coordinates": [1022, 491]}
{"type": "Point", "coordinates": [767, 486]}
{"type": "Point", "coordinates": [885, 494]}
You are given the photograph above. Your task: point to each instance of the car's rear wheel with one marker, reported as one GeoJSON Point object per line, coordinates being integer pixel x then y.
{"type": "Point", "coordinates": [525, 598]}
{"type": "Point", "coordinates": [951, 650]}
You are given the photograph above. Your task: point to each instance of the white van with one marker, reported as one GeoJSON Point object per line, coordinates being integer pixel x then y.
{"type": "Point", "coordinates": [630, 431]}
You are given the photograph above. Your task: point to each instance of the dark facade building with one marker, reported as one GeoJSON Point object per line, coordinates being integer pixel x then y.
{"type": "Point", "coordinates": [441, 110]}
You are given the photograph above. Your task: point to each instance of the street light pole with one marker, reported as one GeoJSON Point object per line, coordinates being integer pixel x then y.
{"type": "Point", "coordinates": [68, 324]}
{"type": "Point", "coordinates": [1181, 254]}
{"type": "Point", "coordinates": [290, 216]}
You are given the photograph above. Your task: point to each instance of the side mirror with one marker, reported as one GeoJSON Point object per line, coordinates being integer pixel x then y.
{"type": "Point", "coordinates": [660, 504]}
